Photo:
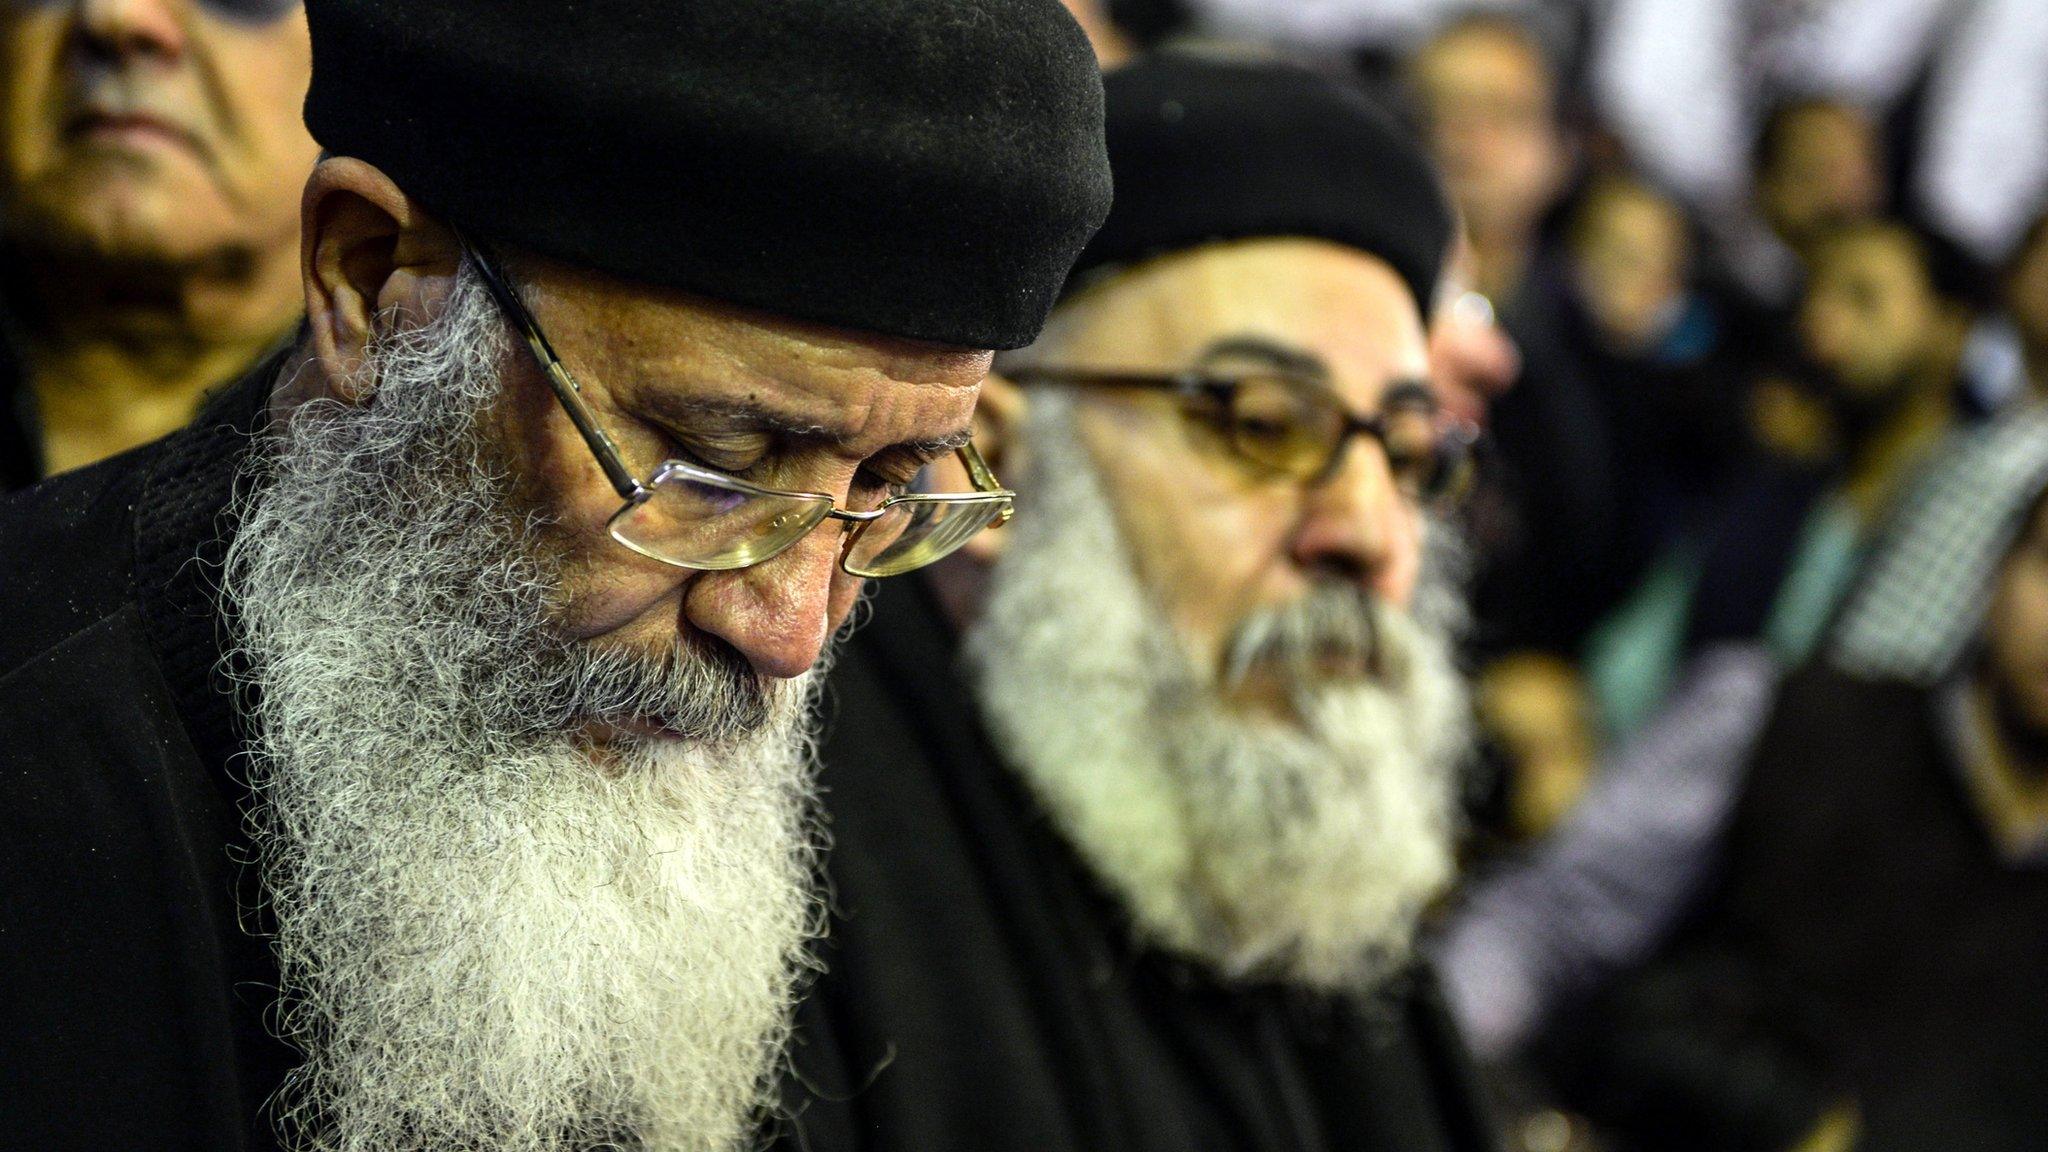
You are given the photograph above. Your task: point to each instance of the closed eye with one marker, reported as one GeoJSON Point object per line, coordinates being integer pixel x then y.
{"type": "Point", "coordinates": [871, 488]}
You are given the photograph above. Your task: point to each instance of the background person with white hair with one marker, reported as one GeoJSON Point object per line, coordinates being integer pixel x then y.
{"type": "Point", "coordinates": [1135, 807]}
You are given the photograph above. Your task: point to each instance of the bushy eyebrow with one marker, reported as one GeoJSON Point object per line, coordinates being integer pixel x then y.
{"type": "Point", "coordinates": [683, 411]}
{"type": "Point", "coordinates": [1272, 352]}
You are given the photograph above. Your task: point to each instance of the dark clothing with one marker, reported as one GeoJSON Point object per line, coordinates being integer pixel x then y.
{"type": "Point", "coordinates": [21, 453]}
{"type": "Point", "coordinates": [21, 438]}
{"type": "Point", "coordinates": [980, 996]}
{"type": "Point", "coordinates": [22, 460]}
{"type": "Point", "coordinates": [1546, 517]}
{"type": "Point", "coordinates": [1677, 415]}
{"type": "Point", "coordinates": [131, 997]}
{"type": "Point", "coordinates": [1868, 943]}
{"type": "Point", "coordinates": [1749, 538]}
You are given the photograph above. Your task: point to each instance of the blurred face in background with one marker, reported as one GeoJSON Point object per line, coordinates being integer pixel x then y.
{"type": "Point", "coordinates": [1215, 538]}
{"type": "Point", "coordinates": [1489, 100]}
{"type": "Point", "coordinates": [1630, 253]}
{"type": "Point", "coordinates": [1221, 681]}
{"type": "Point", "coordinates": [1821, 164]}
{"type": "Point", "coordinates": [153, 131]}
{"type": "Point", "coordinates": [1871, 317]}
{"type": "Point", "coordinates": [2016, 635]}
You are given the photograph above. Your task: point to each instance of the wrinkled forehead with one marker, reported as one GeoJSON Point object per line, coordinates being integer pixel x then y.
{"type": "Point", "coordinates": [1317, 302]}
{"type": "Point", "coordinates": [658, 347]}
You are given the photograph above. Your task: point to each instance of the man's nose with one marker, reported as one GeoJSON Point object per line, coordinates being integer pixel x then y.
{"type": "Point", "coordinates": [1358, 524]}
{"type": "Point", "coordinates": [126, 28]}
{"type": "Point", "coordinates": [779, 614]}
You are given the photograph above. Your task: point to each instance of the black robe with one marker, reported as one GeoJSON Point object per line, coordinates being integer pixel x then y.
{"type": "Point", "coordinates": [1867, 943]}
{"type": "Point", "coordinates": [132, 999]}
{"type": "Point", "coordinates": [979, 994]}
{"type": "Point", "coordinates": [21, 439]}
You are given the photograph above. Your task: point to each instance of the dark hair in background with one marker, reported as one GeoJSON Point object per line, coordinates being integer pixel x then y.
{"type": "Point", "coordinates": [1149, 22]}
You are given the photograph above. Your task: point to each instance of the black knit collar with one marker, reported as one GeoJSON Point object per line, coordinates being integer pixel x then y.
{"type": "Point", "coordinates": [184, 520]}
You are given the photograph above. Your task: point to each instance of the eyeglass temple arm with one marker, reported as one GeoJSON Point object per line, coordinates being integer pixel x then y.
{"type": "Point", "coordinates": [984, 478]}
{"type": "Point", "coordinates": [564, 386]}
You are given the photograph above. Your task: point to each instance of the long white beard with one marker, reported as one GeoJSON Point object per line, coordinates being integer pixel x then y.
{"type": "Point", "coordinates": [487, 939]}
{"type": "Point", "coordinates": [1302, 852]}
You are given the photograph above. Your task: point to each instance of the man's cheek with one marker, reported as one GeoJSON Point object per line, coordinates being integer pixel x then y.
{"type": "Point", "coordinates": [846, 592]}
{"type": "Point", "coordinates": [1404, 571]}
{"type": "Point", "coordinates": [600, 598]}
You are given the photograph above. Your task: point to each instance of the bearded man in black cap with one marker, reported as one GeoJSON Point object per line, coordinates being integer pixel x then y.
{"type": "Point", "coordinates": [410, 754]}
{"type": "Point", "coordinates": [1136, 803]}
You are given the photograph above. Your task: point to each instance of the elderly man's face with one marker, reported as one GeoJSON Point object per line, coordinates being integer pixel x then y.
{"type": "Point", "coordinates": [153, 130]}
{"type": "Point", "coordinates": [1224, 683]}
{"type": "Point", "coordinates": [775, 402]}
{"type": "Point", "coordinates": [491, 738]}
{"type": "Point", "coordinates": [1214, 538]}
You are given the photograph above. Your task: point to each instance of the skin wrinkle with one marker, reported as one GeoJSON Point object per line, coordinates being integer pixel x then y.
{"type": "Point", "coordinates": [1234, 694]}
{"type": "Point", "coordinates": [775, 612]}
{"type": "Point", "coordinates": [1298, 294]}
{"type": "Point", "coordinates": [1300, 851]}
{"type": "Point", "coordinates": [485, 940]}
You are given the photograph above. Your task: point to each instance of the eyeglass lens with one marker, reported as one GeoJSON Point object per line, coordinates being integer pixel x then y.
{"type": "Point", "coordinates": [1295, 429]}
{"type": "Point", "coordinates": [699, 519]}
{"type": "Point", "coordinates": [912, 533]}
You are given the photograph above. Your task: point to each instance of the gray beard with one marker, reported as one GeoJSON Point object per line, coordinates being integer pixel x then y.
{"type": "Point", "coordinates": [1300, 852]}
{"type": "Point", "coordinates": [487, 938]}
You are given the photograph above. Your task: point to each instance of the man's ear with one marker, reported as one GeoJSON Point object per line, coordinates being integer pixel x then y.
{"type": "Point", "coordinates": [998, 433]}
{"type": "Point", "coordinates": [369, 257]}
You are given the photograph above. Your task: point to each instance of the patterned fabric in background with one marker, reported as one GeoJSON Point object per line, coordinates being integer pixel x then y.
{"type": "Point", "coordinates": [1918, 608]}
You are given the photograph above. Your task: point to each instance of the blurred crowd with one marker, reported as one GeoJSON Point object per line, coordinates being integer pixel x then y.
{"type": "Point", "coordinates": [1753, 305]}
{"type": "Point", "coordinates": [1755, 300]}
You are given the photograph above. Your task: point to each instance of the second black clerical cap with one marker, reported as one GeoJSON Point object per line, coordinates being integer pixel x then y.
{"type": "Point", "coordinates": [917, 168]}
{"type": "Point", "coordinates": [1208, 150]}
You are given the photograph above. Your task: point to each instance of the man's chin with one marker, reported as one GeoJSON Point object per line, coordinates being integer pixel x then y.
{"type": "Point", "coordinates": [131, 208]}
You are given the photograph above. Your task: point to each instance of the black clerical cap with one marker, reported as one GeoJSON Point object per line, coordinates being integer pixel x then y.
{"type": "Point", "coordinates": [1206, 150]}
{"type": "Point", "coordinates": [916, 168]}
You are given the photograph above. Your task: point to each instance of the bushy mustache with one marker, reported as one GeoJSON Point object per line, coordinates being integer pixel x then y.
{"type": "Point", "coordinates": [1333, 623]}
{"type": "Point", "coordinates": [699, 689]}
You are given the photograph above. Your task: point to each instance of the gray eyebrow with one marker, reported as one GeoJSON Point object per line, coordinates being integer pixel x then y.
{"type": "Point", "coordinates": [683, 409]}
{"type": "Point", "coordinates": [938, 446]}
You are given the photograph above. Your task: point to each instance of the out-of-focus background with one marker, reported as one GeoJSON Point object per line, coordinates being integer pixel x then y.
{"type": "Point", "coordinates": [1754, 301]}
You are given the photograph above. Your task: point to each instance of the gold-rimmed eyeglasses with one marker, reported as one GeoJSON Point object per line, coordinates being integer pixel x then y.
{"type": "Point", "coordinates": [1292, 424]}
{"type": "Point", "coordinates": [690, 516]}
